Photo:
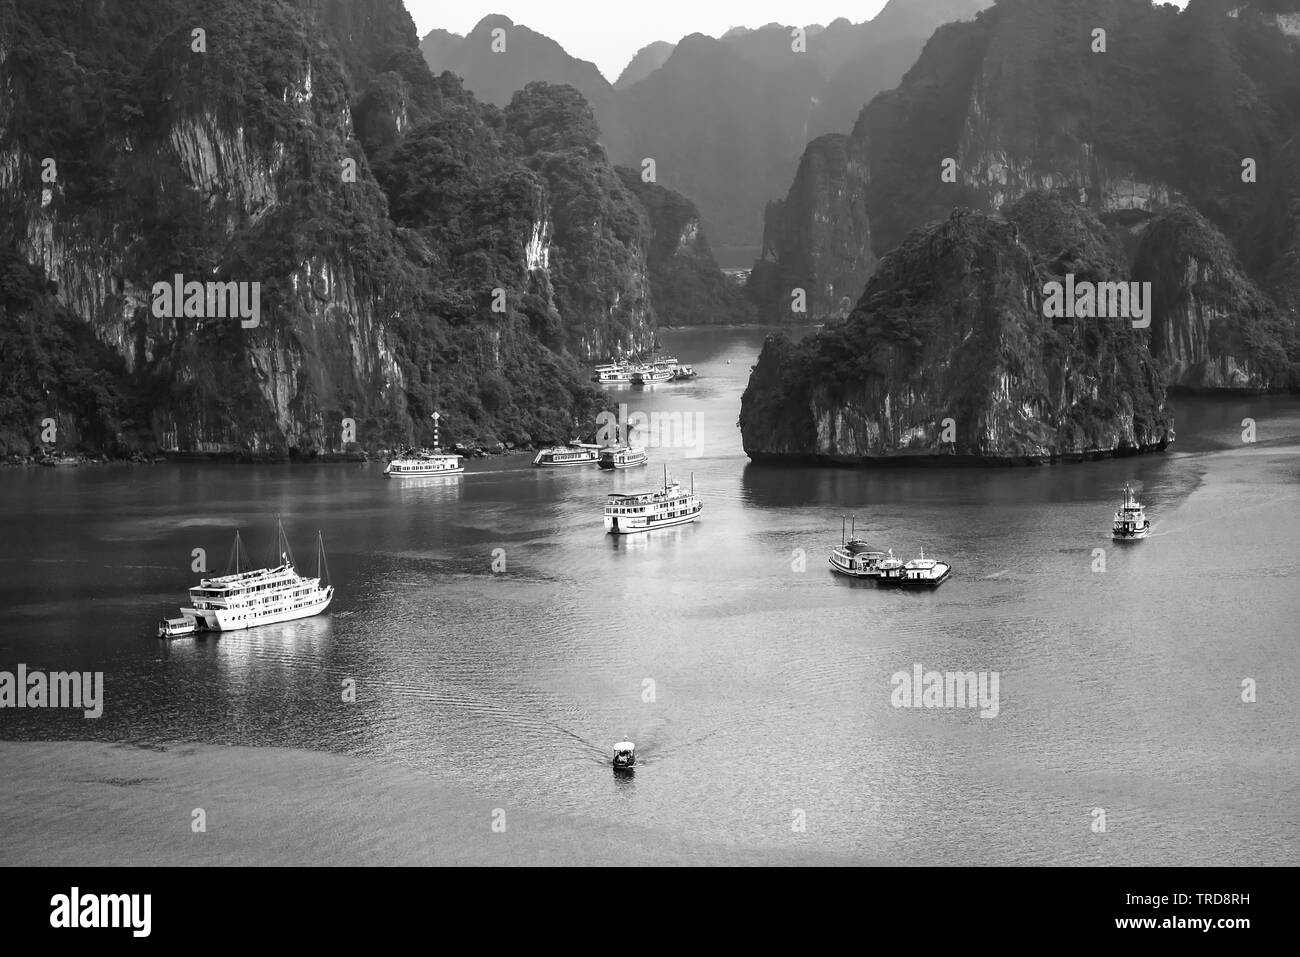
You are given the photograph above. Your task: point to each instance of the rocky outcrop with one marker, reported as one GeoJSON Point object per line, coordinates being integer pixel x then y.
{"type": "Point", "coordinates": [1212, 328]}
{"type": "Point", "coordinates": [948, 357]}
{"type": "Point", "coordinates": [1022, 99]}
{"type": "Point", "coordinates": [647, 59]}
{"type": "Point", "coordinates": [813, 241]}
{"type": "Point", "coordinates": [414, 249]}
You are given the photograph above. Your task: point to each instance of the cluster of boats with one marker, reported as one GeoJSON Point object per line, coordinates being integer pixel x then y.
{"type": "Point", "coordinates": [857, 559]}
{"type": "Point", "coordinates": [635, 372]}
{"type": "Point", "coordinates": [607, 457]}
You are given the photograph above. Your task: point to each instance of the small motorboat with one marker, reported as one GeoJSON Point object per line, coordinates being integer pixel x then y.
{"type": "Point", "coordinates": [176, 627]}
{"type": "Point", "coordinates": [683, 373]}
{"type": "Point", "coordinates": [624, 756]}
{"type": "Point", "coordinates": [1131, 522]}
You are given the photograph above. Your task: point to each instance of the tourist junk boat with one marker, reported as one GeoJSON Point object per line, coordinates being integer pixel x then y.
{"type": "Point", "coordinates": [624, 756]}
{"type": "Point", "coordinates": [1131, 521]}
{"type": "Point", "coordinates": [423, 462]}
{"type": "Point", "coordinates": [924, 573]}
{"type": "Point", "coordinates": [855, 557]}
{"type": "Point", "coordinates": [614, 373]}
{"type": "Point", "coordinates": [177, 627]}
{"type": "Point", "coordinates": [622, 457]}
{"type": "Point", "coordinates": [262, 596]}
{"type": "Point", "coordinates": [647, 511]}
{"type": "Point", "coordinates": [563, 456]}
{"type": "Point", "coordinates": [648, 375]}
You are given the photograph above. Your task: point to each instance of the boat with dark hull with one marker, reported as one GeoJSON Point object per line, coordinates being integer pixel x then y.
{"type": "Point", "coordinates": [855, 558]}
{"type": "Point", "coordinates": [924, 573]}
{"type": "Point", "coordinates": [566, 456]}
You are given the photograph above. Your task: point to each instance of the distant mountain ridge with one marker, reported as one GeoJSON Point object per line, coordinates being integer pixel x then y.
{"type": "Point", "coordinates": [724, 119]}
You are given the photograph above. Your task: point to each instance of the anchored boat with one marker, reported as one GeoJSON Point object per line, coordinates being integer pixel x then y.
{"type": "Point", "coordinates": [647, 511]}
{"type": "Point", "coordinates": [262, 596]}
{"type": "Point", "coordinates": [924, 573]}
{"type": "Point", "coordinates": [562, 456]}
{"type": "Point", "coordinates": [855, 557]}
{"type": "Point", "coordinates": [177, 627]}
{"type": "Point", "coordinates": [889, 570]}
{"type": "Point", "coordinates": [1131, 522]}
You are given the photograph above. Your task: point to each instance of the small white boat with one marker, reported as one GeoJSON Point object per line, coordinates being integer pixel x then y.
{"type": "Point", "coordinates": [563, 456]}
{"type": "Point", "coordinates": [176, 627]}
{"type": "Point", "coordinates": [889, 570]}
{"type": "Point", "coordinates": [624, 756]}
{"type": "Point", "coordinates": [924, 573]}
{"type": "Point", "coordinates": [855, 558]}
{"type": "Point", "coordinates": [622, 457]}
{"type": "Point", "coordinates": [423, 462]}
{"type": "Point", "coordinates": [684, 372]}
{"type": "Point", "coordinates": [646, 511]}
{"type": "Point", "coordinates": [1131, 522]}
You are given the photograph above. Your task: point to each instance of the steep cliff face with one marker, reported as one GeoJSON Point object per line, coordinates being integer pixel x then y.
{"type": "Point", "coordinates": [647, 59]}
{"type": "Point", "coordinates": [814, 240]}
{"type": "Point", "coordinates": [1211, 327]}
{"type": "Point", "coordinates": [687, 286]}
{"type": "Point", "coordinates": [136, 151]}
{"type": "Point", "coordinates": [948, 356]}
{"type": "Point", "coordinates": [412, 249]}
{"type": "Point", "coordinates": [1023, 98]}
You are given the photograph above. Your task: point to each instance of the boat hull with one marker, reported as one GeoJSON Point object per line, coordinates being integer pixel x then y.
{"type": "Point", "coordinates": [424, 473]}
{"type": "Point", "coordinates": [929, 582]}
{"type": "Point", "coordinates": [613, 525]}
{"type": "Point", "coordinates": [611, 466]}
{"type": "Point", "coordinates": [1131, 536]}
{"type": "Point", "coordinates": [852, 572]}
{"type": "Point", "coordinates": [233, 619]}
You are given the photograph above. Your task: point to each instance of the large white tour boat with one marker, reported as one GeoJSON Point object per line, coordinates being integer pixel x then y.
{"type": "Point", "coordinates": [562, 456]}
{"type": "Point", "coordinates": [423, 462]}
{"type": "Point", "coordinates": [646, 511]}
{"type": "Point", "coordinates": [1130, 521]}
{"type": "Point", "coordinates": [262, 596]}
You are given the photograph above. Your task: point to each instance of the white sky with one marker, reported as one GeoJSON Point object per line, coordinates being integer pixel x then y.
{"type": "Point", "coordinates": [609, 32]}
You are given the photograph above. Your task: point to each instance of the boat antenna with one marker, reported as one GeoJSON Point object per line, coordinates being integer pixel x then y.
{"type": "Point", "coordinates": [843, 539]}
{"type": "Point", "coordinates": [692, 483]}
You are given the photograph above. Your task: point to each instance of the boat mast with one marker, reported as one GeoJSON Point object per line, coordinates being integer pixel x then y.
{"type": "Point", "coordinates": [320, 559]}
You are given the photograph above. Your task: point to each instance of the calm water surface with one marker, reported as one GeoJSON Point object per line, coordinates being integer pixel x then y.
{"type": "Point", "coordinates": [752, 683]}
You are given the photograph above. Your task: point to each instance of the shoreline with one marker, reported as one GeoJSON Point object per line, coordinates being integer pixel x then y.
{"type": "Point", "coordinates": [92, 804]}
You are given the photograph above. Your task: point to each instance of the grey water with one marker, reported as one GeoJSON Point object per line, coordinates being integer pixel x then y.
{"type": "Point", "coordinates": [756, 684]}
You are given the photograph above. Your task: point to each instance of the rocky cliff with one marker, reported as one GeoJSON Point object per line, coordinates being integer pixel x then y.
{"type": "Point", "coordinates": [412, 248]}
{"type": "Point", "coordinates": [1195, 107]}
{"type": "Point", "coordinates": [948, 356]}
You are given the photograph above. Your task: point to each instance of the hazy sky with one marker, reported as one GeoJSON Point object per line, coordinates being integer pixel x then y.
{"type": "Point", "coordinates": [608, 32]}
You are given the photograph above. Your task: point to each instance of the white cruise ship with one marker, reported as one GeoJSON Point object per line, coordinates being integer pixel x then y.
{"type": "Point", "coordinates": [423, 462]}
{"type": "Point", "coordinates": [262, 596]}
{"type": "Point", "coordinates": [646, 511]}
{"type": "Point", "coordinates": [562, 456]}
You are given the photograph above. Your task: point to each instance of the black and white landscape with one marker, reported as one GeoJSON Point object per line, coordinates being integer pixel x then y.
{"type": "Point", "coordinates": [869, 442]}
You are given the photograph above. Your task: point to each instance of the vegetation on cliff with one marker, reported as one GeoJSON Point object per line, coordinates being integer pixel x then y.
{"type": "Point", "coordinates": [948, 353]}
